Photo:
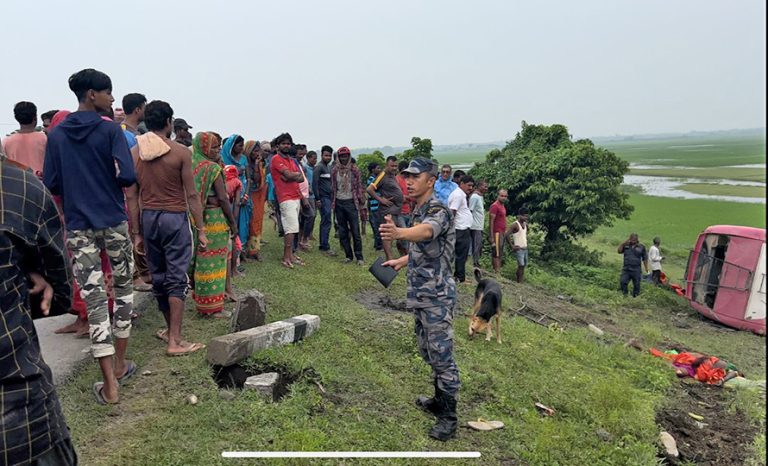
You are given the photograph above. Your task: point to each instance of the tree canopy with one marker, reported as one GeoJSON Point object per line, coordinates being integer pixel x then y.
{"type": "Point", "coordinates": [420, 148]}
{"type": "Point", "coordinates": [364, 159]}
{"type": "Point", "coordinates": [570, 187]}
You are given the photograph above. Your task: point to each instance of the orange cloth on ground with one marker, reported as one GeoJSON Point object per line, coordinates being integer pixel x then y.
{"type": "Point", "coordinates": [706, 372]}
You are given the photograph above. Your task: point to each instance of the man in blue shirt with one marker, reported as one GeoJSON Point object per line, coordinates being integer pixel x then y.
{"type": "Point", "coordinates": [444, 185]}
{"type": "Point", "coordinates": [133, 106]}
{"type": "Point", "coordinates": [87, 163]}
{"type": "Point", "coordinates": [374, 169]}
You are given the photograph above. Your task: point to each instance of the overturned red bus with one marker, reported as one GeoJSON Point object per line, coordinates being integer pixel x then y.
{"type": "Point", "coordinates": [725, 276]}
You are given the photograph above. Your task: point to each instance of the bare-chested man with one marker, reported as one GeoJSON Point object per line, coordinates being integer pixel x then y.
{"type": "Point", "coordinates": [166, 187]}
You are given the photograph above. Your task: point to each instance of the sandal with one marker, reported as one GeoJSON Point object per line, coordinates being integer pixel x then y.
{"type": "Point", "coordinates": [287, 265]}
{"type": "Point", "coordinates": [98, 392]}
{"type": "Point", "coordinates": [483, 425]}
{"type": "Point", "coordinates": [162, 334]}
{"type": "Point", "coordinates": [297, 260]}
{"type": "Point", "coordinates": [187, 350]}
{"type": "Point", "coordinates": [130, 369]}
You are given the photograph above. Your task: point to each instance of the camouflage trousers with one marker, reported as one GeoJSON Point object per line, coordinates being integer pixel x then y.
{"type": "Point", "coordinates": [86, 246]}
{"type": "Point", "coordinates": [434, 335]}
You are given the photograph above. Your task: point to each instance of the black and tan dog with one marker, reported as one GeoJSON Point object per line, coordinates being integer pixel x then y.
{"type": "Point", "coordinates": [487, 306]}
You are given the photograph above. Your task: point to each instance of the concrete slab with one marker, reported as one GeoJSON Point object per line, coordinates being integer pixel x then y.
{"type": "Point", "coordinates": [264, 384]}
{"type": "Point", "coordinates": [64, 353]}
{"type": "Point", "coordinates": [230, 349]}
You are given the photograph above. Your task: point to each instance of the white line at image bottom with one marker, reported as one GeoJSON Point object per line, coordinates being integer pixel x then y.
{"type": "Point", "coordinates": [351, 454]}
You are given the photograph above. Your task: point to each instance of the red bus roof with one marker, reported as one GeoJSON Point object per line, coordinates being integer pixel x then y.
{"type": "Point", "coordinates": [732, 230]}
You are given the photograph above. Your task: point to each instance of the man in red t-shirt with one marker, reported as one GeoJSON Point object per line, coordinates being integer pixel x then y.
{"type": "Point", "coordinates": [497, 227]}
{"type": "Point", "coordinates": [287, 176]}
{"type": "Point", "coordinates": [405, 212]}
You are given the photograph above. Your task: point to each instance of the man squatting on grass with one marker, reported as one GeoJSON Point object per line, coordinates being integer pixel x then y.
{"type": "Point", "coordinates": [431, 289]}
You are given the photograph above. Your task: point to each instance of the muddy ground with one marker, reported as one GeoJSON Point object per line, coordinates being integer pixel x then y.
{"type": "Point", "coordinates": [722, 438]}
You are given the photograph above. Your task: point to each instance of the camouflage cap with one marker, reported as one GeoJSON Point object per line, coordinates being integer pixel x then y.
{"type": "Point", "coordinates": [421, 165]}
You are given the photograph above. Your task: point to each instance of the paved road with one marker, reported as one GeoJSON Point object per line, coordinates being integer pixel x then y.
{"type": "Point", "coordinates": [64, 353]}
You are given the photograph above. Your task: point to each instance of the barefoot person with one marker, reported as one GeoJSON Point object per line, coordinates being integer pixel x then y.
{"type": "Point", "coordinates": [519, 233]}
{"type": "Point", "coordinates": [497, 226]}
{"type": "Point", "coordinates": [87, 163]}
{"type": "Point", "coordinates": [210, 265]}
{"type": "Point", "coordinates": [431, 289]}
{"type": "Point", "coordinates": [286, 175]}
{"type": "Point", "coordinates": [166, 189]}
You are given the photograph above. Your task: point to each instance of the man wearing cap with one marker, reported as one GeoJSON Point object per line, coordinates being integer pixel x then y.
{"type": "Point", "coordinates": [181, 130]}
{"type": "Point", "coordinates": [347, 202]}
{"type": "Point", "coordinates": [431, 291]}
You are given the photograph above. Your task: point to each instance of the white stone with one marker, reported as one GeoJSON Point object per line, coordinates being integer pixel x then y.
{"type": "Point", "coordinates": [265, 384]}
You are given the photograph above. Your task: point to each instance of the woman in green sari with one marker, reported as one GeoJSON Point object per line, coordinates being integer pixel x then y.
{"type": "Point", "coordinates": [210, 266]}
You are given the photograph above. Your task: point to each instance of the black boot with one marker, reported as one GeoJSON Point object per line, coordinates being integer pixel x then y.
{"type": "Point", "coordinates": [445, 428]}
{"type": "Point", "coordinates": [429, 405]}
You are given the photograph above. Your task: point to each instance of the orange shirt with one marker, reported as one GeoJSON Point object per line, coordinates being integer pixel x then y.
{"type": "Point", "coordinates": [27, 149]}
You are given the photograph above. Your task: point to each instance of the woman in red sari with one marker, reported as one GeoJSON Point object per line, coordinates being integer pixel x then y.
{"type": "Point", "coordinates": [257, 175]}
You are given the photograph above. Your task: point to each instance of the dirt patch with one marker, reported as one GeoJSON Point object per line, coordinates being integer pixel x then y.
{"type": "Point", "coordinates": [721, 438]}
{"type": "Point", "coordinates": [380, 301]}
{"type": "Point", "coordinates": [229, 377]}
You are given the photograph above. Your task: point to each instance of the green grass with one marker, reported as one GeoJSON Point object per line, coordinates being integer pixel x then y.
{"type": "Point", "coordinates": [368, 363]}
{"type": "Point", "coordinates": [677, 222]}
{"type": "Point", "coordinates": [460, 157]}
{"type": "Point", "coordinates": [728, 173]}
{"type": "Point", "coordinates": [692, 152]}
{"type": "Point", "coordinates": [724, 189]}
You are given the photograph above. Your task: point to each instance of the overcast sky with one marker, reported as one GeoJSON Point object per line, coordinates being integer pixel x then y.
{"type": "Point", "coordinates": [363, 73]}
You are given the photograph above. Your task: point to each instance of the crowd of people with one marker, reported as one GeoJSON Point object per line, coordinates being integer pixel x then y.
{"type": "Point", "coordinates": [99, 203]}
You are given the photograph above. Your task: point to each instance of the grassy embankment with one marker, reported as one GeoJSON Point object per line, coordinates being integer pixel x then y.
{"type": "Point", "coordinates": [368, 364]}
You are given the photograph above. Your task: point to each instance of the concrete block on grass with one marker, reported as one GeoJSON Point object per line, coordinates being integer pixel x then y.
{"type": "Point", "coordinates": [251, 311]}
{"type": "Point", "coordinates": [264, 384]}
{"type": "Point", "coordinates": [226, 350]}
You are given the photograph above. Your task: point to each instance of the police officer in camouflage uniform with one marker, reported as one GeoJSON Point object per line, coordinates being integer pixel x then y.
{"type": "Point", "coordinates": [431, 289]}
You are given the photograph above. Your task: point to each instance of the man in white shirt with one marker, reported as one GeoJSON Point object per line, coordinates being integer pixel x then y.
{"type": "Point", "coordinates": [477, 208]}
{"type": "Point", "coordinates": [654, 254]}
{"type": "Point", "coordinates": [462, 221]}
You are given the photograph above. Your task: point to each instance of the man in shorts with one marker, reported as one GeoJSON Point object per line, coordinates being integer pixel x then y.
{"type": "Point", "coordinates": [519, 233]}
{"type": "Point", "coordinates": [286, 175]}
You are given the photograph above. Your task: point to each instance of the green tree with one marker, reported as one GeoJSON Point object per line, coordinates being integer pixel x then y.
{"type": "Point", "coordinates": [364, 159]}
{"type": "Point", "coordinates": [570, 188]}
{"type": "Point", "coordinates": [420, 148]}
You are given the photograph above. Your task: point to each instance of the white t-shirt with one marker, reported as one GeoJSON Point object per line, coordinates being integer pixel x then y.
{"type": "Point", "coordinates": [458, 201]}
{"type": "Point", "coordinates": [655, 256]}
{"type": "Point", "coordinates": [478, 211]}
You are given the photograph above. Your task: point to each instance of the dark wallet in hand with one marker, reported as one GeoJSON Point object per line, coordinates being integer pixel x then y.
{"type": "Point", "coordinates": [385, 275]}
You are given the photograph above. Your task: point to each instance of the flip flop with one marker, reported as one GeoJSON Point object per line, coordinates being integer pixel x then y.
{"type": "Point", "coordinates": [191, 349]}
{"type": "Point", "coordinates": [483, 425]}
{"type": "Point", "coordinates": [162, 334]}
{"type": "Point", "coordinates": [287, 265]}
{"type": "Point", "coordinates": [130, 369]}
{"type": "Point", "coordinates": [98, 392]}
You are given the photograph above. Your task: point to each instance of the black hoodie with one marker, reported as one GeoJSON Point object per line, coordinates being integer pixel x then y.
{"type": "Point", "coordinates": [88, 163]}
